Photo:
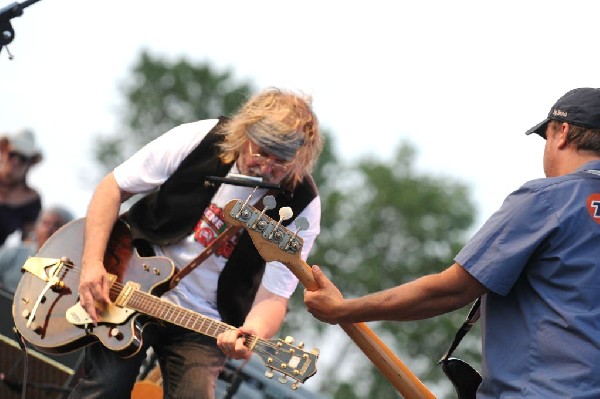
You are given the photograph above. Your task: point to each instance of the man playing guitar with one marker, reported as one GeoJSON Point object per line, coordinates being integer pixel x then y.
{"type": "Point", "coordinates": [275, 139]}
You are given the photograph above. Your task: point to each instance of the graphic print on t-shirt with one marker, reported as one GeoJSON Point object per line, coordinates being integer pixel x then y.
{"type": "Point", "coordinates": [210, 226]}
{"type": "Point", "coordinates": [593, 206]}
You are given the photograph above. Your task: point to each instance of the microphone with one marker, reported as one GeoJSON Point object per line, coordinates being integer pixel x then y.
{"type": "Point", "coordinates": [240, 180]}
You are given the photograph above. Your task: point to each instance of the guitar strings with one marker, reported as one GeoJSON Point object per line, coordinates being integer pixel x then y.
{"type": "Point", "coordinates": [261, 346]}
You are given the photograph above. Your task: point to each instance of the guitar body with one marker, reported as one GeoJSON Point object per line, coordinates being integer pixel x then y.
{"type": "Point", "coordinates": [150, 387]}
{"type": "Point", "coordinates": [47, 312]}
{"type": "Point", "coordinates": [146, 390]}
{"type": "Point", "coordinates": [119, 330]}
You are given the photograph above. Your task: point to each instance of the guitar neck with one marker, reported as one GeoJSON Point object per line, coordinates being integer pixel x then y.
{"type": "Point", "coordinates": [166, 311]}
{"type": "Point", "coordinates": [373, 347]}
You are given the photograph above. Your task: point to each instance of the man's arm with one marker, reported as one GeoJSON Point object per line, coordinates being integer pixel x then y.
{"type": "Point", "coordinates": [102, 214]}
{"type": "Point", "coordinates": [264, 319]}
{"type": "Point", "coordinates": [425, 297]}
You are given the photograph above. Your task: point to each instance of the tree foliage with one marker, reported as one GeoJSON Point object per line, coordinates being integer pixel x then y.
{"type": "Point", "coordinates": [383, 223]}
{"type": "Point", "coordinates": [160, 95]}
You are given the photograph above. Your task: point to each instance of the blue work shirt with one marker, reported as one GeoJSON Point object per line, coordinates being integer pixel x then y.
{"type": "Point", "coordinates": [539, 256]}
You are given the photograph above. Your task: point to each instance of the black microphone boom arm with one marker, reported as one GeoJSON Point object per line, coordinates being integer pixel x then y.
{"type": "Point", "coordinates": [7, 33]}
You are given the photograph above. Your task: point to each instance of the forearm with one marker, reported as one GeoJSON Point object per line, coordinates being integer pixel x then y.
{"type": "Point", "coordinates": [267, 313]}
{"type": "Point", "coordinates": [425, 297]}
{"type": "Point", "coordinates": [102, 213]}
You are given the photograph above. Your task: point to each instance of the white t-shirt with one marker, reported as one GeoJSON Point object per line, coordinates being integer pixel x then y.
{"type": "Point", "coordinates": [151, 166]}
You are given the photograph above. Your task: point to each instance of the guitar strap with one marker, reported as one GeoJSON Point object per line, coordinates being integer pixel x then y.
{"type": "Point", "coordinates": [463, 377]}
{"type": "Point", "coordinates": [471, 319]}
{"type": "Point", "coordinates": [210, 249]}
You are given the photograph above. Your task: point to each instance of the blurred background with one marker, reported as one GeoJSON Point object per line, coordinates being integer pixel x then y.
{"type": "Point", "coordinates": [424, 105]}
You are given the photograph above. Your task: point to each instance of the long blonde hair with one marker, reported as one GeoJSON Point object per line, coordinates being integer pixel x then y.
{"type": "Point", "coordinates": [287, 114]}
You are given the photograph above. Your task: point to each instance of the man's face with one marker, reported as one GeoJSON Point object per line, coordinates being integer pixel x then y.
{"type": "Point", "coordinates": [13, 164]}
{"type": "Point", "coordinates": [254, 161]}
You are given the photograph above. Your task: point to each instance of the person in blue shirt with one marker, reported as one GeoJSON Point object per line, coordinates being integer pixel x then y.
{"type": "Point", "coordinates": [536, 265]}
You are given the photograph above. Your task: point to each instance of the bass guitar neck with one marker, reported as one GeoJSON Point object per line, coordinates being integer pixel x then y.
{"type": "Point", "coordinates": [397, 373]}
{"type": "Point", "coordinates": [275, 242]}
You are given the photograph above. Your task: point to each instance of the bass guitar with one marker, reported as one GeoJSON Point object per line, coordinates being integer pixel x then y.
{"type": "Point", "coordinates": [47, 312]}
{"type": "Point", "coordinates": [275, 242]}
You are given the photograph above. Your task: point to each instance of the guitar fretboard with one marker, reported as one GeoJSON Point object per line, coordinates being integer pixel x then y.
{"type": "Point", "coordinates": [163, 310]}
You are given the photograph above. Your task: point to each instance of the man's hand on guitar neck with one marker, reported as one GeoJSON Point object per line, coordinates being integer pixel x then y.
{"type": "Point", "coordinates": [233, 343]}
{"type": "Point", "coordinates": [94, 288]}
{"type": "Point", "coordinates": [325, 303]}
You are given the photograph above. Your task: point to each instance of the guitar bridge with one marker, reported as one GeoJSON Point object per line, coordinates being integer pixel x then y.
{"type": "Point", "coordinates": [47, 269]}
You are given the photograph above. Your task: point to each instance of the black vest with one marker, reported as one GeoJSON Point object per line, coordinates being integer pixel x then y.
{"type": "Point", "coordinates": [171, 213]}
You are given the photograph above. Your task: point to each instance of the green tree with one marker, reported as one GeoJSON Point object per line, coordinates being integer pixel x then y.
{"type": "Point", "coordinates": [383, 224]}
{"type": "Point", "coordinates": [160, 95]}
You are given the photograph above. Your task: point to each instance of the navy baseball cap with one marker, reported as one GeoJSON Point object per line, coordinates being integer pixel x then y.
{"type": "Point", "coordinates": [580, 107]}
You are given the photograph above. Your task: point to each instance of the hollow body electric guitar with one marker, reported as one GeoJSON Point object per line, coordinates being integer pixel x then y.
{"type": "Point", "coordinates": [275, 242]}
{"type": "Point", "coordinates": [47, 313]}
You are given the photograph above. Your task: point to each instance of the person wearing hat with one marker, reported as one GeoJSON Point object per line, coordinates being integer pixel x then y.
{"type": "Point", "coordinates": [535, 264]}
{"type": "Point", "coordinates": [20, 204]}
{"type": "Point", "coordinates": [273, 139]}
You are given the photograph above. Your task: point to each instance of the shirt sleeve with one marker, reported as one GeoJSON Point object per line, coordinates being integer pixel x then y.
{"type": "Point", "coordinates": [277, 278]}
{"type": "Point", "coordinates": [156, 161]}
{"type": "Point", "coordinates": [498, 253]}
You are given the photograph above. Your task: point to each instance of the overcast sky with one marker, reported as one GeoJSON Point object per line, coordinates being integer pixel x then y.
{"type": "Point", "coordinates": [460, 80]}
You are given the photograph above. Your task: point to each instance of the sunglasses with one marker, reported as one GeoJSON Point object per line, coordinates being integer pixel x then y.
{"type": "Point", "coordinates": [18, 156]}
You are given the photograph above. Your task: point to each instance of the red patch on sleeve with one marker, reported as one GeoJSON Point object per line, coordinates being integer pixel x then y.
{"type": "Point", "coordinates": [593, 206]}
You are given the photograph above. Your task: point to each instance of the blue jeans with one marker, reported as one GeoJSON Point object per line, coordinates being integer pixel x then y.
{"type": "Point", "coordinates": [190, 364]}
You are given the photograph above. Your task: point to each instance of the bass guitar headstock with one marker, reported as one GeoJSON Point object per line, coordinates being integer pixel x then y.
{"type": "Point", "coordinates": [275, 239]}
{"type": "Point", "coordinates": [291, 361]}
{"type": "Point", "coordinates": [272, 240]}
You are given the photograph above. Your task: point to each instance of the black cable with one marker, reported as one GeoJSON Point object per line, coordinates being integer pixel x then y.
{"type": "Point", "coordinates": [21, 342]}
{"type": "Point", "coordinates": [235, 380]}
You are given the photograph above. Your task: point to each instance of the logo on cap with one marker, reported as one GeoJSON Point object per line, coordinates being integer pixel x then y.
{"type": "Point", "coordinates": [558, 112]}
{"type": "Point", "coordinates": [593, 207]}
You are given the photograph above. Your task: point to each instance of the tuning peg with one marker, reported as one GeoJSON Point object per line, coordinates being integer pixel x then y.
{"type": "Point", "coordinates": [283, 379]}
{"type": "Point", "coordinates": [243, 207]}
{"type": "Point", "coordinates": [289, 340]}
{"type": "Point", "coordinates": [315, 352]}
{"type": "Point", "coordinates": [269, 373]}
{"type": "Point", "coordinates": [285, 213]}
{"type": "Point", "coordinates": [268, 203]}
{"type": "Point", "coordinates": [300, 345]}
{"type": "Point", "coordinates": [301, 223]}
{"type": "Point", "coordinates": [295, 385]}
